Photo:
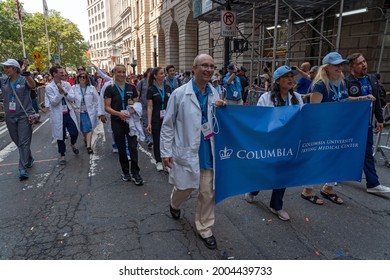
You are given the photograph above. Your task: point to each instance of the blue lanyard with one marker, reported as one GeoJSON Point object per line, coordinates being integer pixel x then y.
{"type": "Point", "coordinates": [287, 101]}
{"type": "Point", "coordinates": [337, 93]}
{"type": "Point", "coordinates": [172, 82]}
{"type": "Point", "coordinates": [122, 93]}
{"type": "Point", "coordinates": [13, 85]}
{"type": "Point", "coordinates": [202, 99]}
{"type": "Point", "coordinates": [162, 94]}
{"type": "Point", "coordinates": [83, 93]}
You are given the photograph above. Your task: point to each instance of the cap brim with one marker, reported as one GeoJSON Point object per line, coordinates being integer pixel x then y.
{"type": "Point", "coordinates": [339, 61]}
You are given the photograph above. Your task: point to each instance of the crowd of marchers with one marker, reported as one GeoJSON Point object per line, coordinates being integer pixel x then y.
{"type": "Point", "coordinates": [172, 114]}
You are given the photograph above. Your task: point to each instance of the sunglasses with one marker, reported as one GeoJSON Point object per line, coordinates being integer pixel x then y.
{"type": "Point", "coordinates": [80, 69]}
{"type": "Point", "coordinates": [82, 77]}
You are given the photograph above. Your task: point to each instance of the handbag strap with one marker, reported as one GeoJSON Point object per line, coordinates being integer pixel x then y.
{"type": "Point", "coordinates": [20, 103]}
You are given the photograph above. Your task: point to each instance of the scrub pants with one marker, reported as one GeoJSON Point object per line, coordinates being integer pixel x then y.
{"type": "Point", "coordinates": [369, 162]}
{"type": "Point", "coordinates": [156, 131]}
{"type": "Point", "coordinates": [20, 131]}
{"type": "Point", "coordinates": [121, 132]}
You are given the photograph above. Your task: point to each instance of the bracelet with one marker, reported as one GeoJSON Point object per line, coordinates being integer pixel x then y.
{"type": "Point", "coordinates": [26, 74]}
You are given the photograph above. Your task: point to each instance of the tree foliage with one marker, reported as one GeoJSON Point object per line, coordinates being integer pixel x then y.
{"type": "Point", "coordinates": [60, 30]}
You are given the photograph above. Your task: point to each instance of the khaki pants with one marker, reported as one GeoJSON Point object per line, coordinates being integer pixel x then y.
{"type": "Point", "coordinates": [204, 216]}
{"type": "Point", "coordinates": [234, 102]}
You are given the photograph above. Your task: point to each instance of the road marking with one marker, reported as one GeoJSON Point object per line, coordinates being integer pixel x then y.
{"type": "Point", "coordinates": [93, 159]}
{"type": "Point", "coordinates": [11, 147]}
{"type": "Point", "coordinates": [35, 161]}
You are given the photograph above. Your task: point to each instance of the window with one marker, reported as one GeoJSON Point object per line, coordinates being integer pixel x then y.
{"type": "Point", "coordinates": [100, 26]}
{"type": "Point", "coordinates": [101, 4]}
{"type": "Point", "coordinates": [102, 15]}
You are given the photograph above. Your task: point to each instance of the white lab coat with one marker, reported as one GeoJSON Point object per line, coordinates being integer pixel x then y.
{"type": "Point", "coordinates": [54, 98]}
{"type": "Point", "coordinates": [91, 98]}
{"type": "Point", "coordinates": [180, 135]}
{"type": "Point", "coordinates": [265, 99]}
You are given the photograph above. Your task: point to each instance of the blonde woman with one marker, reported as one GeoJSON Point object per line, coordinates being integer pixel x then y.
{"type": "Point", "coordinates": [328, 86]}
{"type": "Point", "coordinates": [117, 97]}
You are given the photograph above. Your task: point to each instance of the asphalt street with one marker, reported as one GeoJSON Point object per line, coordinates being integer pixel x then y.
{"type": "Point", "coordinates": [83, 210]}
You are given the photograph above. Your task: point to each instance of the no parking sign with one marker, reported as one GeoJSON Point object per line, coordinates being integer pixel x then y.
{"type": "Point", "coordinates": [228, 23]}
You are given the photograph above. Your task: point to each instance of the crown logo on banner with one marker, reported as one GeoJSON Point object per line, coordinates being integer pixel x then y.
{"type": "Point", "coordinates": [225, 153]}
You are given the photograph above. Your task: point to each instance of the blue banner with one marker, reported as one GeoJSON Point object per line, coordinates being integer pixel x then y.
{"type": "Point", "coordinates": [262, 148]}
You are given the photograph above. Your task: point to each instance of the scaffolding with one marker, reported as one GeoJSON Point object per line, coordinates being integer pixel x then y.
{"type": "Point", "coordinates": [281, 27]}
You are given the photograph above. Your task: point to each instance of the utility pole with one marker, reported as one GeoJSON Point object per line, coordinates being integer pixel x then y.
{"type": "Point", "coordinates": [227, 43]}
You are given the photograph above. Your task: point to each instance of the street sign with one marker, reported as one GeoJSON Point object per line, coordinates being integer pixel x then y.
{"type": "Point", "coordinates": [56, 58]}
{"type": "Point", "coordinates": [37, 56]}
{"type": "Point", "coordinates": [228, 23]}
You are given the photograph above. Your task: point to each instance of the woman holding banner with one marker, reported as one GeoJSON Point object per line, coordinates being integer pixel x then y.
{"type": "Point", "coordinates": [281, 94]}
{"type": "Point", "coordinates": [328, 86]}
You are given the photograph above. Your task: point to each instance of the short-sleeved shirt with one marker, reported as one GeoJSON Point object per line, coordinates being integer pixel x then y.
{"type": "Point", "coordinates": [332, 95]}
{"type": "Point", "coordinates": [117, 104]}
{"type": "Point", "coordinates": [303, 85]}
{"type": "Point", "coordinates": [142, 88]}
{"type": "Point", "coordinates": [22, 90]}
{"type": "Point", "coordinates": [235, 86]}
{"type": "Point", "coordinates": [154, 95]}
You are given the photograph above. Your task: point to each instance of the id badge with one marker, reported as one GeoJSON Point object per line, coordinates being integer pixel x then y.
{"type": "Point", "coordinates": [206, 130]}
{"type": "Point", "coordinates": [162, 114]}
{"type": "Point", "coordinates": [235, 94]}
{"type": "Point", "coordinates": [83, 108]}
{"type": "Point", "coordinates": [12, 107]}
{"type": "Point", "coordinates": [64, 109]}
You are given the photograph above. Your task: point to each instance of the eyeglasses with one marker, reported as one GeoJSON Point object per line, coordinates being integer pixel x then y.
{"type": "Point", "coordinates": [207, 66]}
{"type": "Point", "coordinates": [82, 77]}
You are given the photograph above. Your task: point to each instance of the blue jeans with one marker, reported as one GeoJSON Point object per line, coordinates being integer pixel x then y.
{"type": "Point", "coordinates": [372, 179]}
{"type": "Point", "coordinates": [67, 123]}
{"type": "Point", "coordinates": [276, 201]}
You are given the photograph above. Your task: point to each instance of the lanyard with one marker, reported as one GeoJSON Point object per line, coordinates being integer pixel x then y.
{"type": "Point", "coordinates": [172, 82]}
{"type": "Point", "coordinates": [122, 93]}
{"type": "Point", "coordinates": [162, 94]}
{"type": "Point", "coordinates": [83, 93]}
{"type": "Point", "coordinates": [202, 99]}
{"type": "Point", "coordinates": [13, 85]}
{"type": "Point", "coordinates": [337, 93]}
{"type": "Point", "coordinates": [287, 101]}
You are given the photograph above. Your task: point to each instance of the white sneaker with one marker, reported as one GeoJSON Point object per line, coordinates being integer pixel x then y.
{"type": "Point", "coordinates": [249, 197]}
{"type": "Point", "coordinates": [159, 166]}
{"type": "Point", "coordinates": [115, 150]}
{"type": "Point", "coordinates": [283, 215]}
{"type": "Point", "coordinates": [379, 189]}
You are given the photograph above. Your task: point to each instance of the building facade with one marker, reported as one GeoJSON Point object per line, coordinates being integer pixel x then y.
{"type": "Point", "coordinates": [149, 33]}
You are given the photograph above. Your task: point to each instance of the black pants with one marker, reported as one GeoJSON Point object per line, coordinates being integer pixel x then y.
{"type": "Point", "coordinates": [156, 130]}
{"type": "Point", "coordinates": [67, 123]}
{"type": "Point", "coordinates": [276, 198]}
{"type": "Point", "coordinates": [121, 131]}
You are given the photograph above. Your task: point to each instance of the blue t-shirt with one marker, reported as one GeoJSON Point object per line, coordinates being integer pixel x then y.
{"type": "Point", "coordinates": [365, 85]}
{"type": "Point", "coordinates": [303, 85]}
{"type": "Point", "coordinates": [336, 93]}
{"type": "Point", "coordinates": [205, 154]}
{"type": "Point", "coordinates": [235, 86]}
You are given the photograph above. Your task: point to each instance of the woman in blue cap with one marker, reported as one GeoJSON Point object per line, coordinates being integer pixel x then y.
{"type": "Point", "coordinates": [16, 87]}
{"type": "Point", "coordinates": [281, 94]}
{"type": "Point", "coordinates": [328, 86]}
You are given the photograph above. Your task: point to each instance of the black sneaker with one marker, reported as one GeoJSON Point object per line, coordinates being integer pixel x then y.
{"type": "Point", "coordinates": [137, 179]}
{"type": "Point", "coordinates": [126, 177]}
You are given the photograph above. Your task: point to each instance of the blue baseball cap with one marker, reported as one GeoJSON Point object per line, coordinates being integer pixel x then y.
{"type": "Point", "coordinates": [334, 58]}
{"type": "Point", "coordinates": [230, 66]}
{"type": "Point", "coordinates": [281, 71]}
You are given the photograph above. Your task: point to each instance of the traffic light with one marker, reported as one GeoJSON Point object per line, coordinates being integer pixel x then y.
{"type": "Point", "coordinates": [19, 8]}
{"type": "Point", "coordinates": [240, 45]}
